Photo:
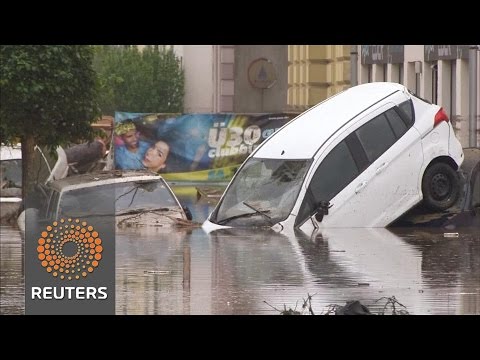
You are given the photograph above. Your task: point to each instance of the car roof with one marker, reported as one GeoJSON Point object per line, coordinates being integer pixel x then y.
{"type": "Point", "coordinates": [302, 136]}
{"type": "Point", "coordinates": [10, 152]}
{"type": "Point", "coordinates": [103, 177]}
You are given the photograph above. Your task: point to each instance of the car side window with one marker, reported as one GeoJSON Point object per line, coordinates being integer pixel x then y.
{"type": "Point", "coordinates": [336, 171]}
{"type": "Point", "coordinates": [398, 125]}
{"type": "Point", "coordinates": [407, 113]}
{"type": "Point", "coordinates": [376, 137]}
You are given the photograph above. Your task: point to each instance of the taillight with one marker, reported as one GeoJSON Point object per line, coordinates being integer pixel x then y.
{"type": "Point", "coordinates": [439, 117]}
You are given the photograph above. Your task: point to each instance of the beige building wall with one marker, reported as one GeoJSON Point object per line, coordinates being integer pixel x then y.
{"type": "Point", "coordinates": [199, 84]}
{"type": "Point", "coordinates": [209, 77]}
{"type": "Point", "coordinates": [223, 78]}
{"type": "Point", "coordinates": [215, 78]}
{"type": "Point", "coordinates": [316, 72]}
{"type": "Point", "coordinates": [272, 95]}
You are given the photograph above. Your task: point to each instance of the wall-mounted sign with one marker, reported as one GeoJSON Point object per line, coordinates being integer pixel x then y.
{"type": "Point", "coordinates": [445, 52]}
{"type": "Point", "coordinates": [382, 54]}
{"type": "Point", "coordinates": [261, 74]}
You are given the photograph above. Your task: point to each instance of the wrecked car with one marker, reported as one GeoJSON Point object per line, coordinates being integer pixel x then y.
{"type": "Point", "coordinates": [46, 168]}
{"type": "Point", "coordinates": [361, 158]}
{"type": "Point", "coordinates": [10, 181]}
{"type": "Point", "coordinates": [135, 198]}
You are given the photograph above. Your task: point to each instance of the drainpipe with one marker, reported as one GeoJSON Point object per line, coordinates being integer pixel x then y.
{"type": "Point", "coordinates": [472, 91]}
{"type": "Point", "coordinates": [353, 65]}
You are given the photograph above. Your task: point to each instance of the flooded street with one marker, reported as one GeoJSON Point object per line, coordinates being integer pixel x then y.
{"type": "Point", "coordinates": [235, 271]}
{"type": "Point", "coordinates": [12, 281]}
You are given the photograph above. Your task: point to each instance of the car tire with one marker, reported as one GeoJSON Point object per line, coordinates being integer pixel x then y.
{"type": "Point", "coordinates": [440, 187]}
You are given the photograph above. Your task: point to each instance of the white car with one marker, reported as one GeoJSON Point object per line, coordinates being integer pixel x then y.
{"type": "Point", "coordinates": [361, 158]}
{"type": "Point", "coordinates": [10, 182]}
{"type": "Point", "coordinates": [46, 168]}
{"type": "Point", "coordinates": [135, 198]}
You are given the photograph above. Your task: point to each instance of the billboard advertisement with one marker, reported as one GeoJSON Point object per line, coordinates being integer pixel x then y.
{"type": "Point", "coordinates": [191, 147]}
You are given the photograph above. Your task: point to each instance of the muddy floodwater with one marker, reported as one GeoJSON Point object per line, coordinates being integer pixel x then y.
{"type": "Point", "coordinates": [249, 271]}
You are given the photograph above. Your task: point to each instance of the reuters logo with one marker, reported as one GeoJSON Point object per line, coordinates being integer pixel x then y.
{"type": "Point", "coordinates": [69, 249]}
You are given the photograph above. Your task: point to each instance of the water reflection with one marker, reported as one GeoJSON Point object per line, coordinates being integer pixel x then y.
{"type": "Point", "coordinates": [365, 264]}
{"type": "Point", "coordinates": [12, 281]}
{"type": "Point", "coordinates": [149, 271]}
{"type": "Point", "coordinates": [233, 271]}
{"type": "Point", "coordinates": [250, 266]}
{"type": "Point", "coordinates": [425, 271]}
{"type": "Point", "coordinates": [335, 265]}
{"type": "Point", "coordinates": [450, 267]}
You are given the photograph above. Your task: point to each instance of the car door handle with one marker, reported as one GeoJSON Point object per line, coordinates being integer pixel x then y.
{"type": "Point", "coordinates": [360, 186]}
{"type": "Point", "coordinates": [381, 168]}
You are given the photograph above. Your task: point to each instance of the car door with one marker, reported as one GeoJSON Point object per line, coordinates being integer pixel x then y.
{"type": "Point", "coordinates": [388, 186]}
{"type": "Point", "coordinates": [391, 185]}
{"type": "Point", "coordinates": [369, 177]}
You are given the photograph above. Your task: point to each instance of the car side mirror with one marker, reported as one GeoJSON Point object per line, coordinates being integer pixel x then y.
{"type": "Point", "coordinates": [322, 210]}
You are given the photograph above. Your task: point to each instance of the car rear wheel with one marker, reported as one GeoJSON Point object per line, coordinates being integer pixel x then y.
{"type": "Point", "coordinates": [440, 186]}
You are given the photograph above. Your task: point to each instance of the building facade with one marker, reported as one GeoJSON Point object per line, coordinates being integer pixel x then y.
{"type": "Point", "coordinates": [277, 78]}
{"type": "Point", "coordinates": [316, 72]}
{"type": "Point", "coordinates": [234, 78]}
{"type": "Point", "coordinates": [437, 73]}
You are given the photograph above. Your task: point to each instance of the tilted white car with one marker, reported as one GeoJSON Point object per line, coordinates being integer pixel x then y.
{"type": "Point", "coordinates": [361, 158]}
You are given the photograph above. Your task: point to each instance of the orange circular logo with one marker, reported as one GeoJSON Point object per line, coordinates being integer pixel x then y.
{"type": "Point", "coordinates": [69, 249]}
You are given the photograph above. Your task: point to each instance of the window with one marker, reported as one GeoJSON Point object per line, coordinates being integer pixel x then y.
{"type": "Point", "coordinates": [376, 137]}
{"type": "Point", "coordinates": [357, 152]}
{"type": "Point", "coordinates": [396, 122]}
{"type": "Point", "coordinates": [406, 109]}
{"type": "Point", "coordinates": [336, 171]}
{"type": "Point", "coordinates": [271, 185]}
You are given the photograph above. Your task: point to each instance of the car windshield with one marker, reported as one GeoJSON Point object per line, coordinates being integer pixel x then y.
{"type": "Point", "coordinates": [121, 198]}
{"type": "Point", "coordinates": [263, 192]}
